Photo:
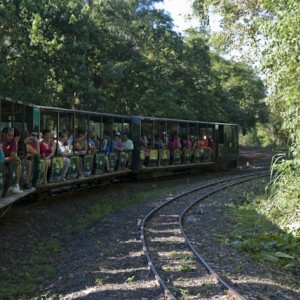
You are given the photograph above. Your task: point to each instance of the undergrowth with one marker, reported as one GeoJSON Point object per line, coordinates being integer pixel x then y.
{"type": "Point", "coordinates": [260, 229]}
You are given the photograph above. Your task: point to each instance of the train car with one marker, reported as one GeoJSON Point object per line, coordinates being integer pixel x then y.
{"type": "Point", "coordinates": [32, 119]}
{"type": "Point", "coordinates": [177, 144]}
{"type": "Point", "coordinates": [161, 147]}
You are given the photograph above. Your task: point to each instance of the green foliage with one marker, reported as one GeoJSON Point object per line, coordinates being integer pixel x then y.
{"type": "Point", "coordinates": [262, 135]}
{"type": "Point", "coordinates": [268, 29]}
{"type": "Point", "coordinates": [117, 57]}
{"type": "Point", "coordinates": [258, 232]}
{"type": "Point", "coordinates": [284, 201]}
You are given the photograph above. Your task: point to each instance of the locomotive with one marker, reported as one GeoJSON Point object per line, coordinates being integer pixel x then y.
{"type": "Point", "coordinates": [162, 147]}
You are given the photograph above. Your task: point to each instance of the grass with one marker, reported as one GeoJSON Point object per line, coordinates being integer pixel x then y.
{"type": "Point", "coordinates": [26, 274]}
{"type": "Point", "coordinates": [260, 236]}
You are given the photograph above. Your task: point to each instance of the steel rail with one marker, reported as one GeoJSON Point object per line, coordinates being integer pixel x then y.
{"type": "Point", "coordinates": [200, 258]}
{"type": "Point", "coordinates": [160, 281]}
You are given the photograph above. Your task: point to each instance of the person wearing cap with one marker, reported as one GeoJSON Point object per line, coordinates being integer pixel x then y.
{"type": "Point", "coordinates": [118, 148]}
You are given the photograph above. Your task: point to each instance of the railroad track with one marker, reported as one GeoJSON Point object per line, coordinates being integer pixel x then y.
{"type": "Point", "coordinates": [169, 252]}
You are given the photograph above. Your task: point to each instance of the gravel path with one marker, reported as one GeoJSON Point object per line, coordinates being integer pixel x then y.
{"type": "Point", "coordinates": [104, 260]}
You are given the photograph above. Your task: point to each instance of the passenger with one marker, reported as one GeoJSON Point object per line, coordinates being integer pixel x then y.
{"type": "Point", "coordinates": [91, 145]}
{"type": "Point", "coordinates": [20, 138]}
{"type": "Point", "coordinates": [81, 148]}
{"type": "Point", "coordinates": [70, 138]}
{"type": "Point", "coordinates": [20, 152]}
{"type": "Point", "coordinates": [158, 145]}
{"type": "Point", "coordinates": [64, 152]}
{"type": "Point", "coordinates": [106, 144]}
{"type": "Point", "coordinates": [211, 146]}
{"type": "Point", "coordinates": [10, 150]}
{"type": "Point", "coordinates": [173, 144]}
{"type": "Point", "coordinates": [128, 147]}
{"type": "Point", "coordinates": [211, 143]}
{"type": "Point", "coordinates": [165, 139]}
{"type": "Point", "coordinates": [185, 144]}
{"type": "Point", "coordinates": [202, 141]}
{"type": "Point", "coordinates": [94, 148]}
{"type": "Point", "coordinates": [1, 153]}
{"type": "Point", "coordinates": [145, 148]}
{"type": "Point", "coordinates": [94, 140]}
{"type": "Point", "coordinates": [47, 151]}
{"type": "Point", "coordinates": [118, 148]}
{"type": "Point", "coordinates": [32, 148]}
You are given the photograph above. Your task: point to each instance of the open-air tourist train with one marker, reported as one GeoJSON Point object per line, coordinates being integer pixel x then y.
{"type": "Point", "coordinates": [86, 148]}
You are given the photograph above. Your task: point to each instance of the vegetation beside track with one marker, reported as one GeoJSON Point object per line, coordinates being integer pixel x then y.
{"type": "Point", "coordinates": [259, 231]}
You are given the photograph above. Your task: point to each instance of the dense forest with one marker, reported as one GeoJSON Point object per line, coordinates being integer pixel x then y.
{"type": "Point", "coordinates": [121, 57]}
{"type": "Point", "coordinates": [267, 33]}
{"type": "Point", "coordinates": [126, 57]}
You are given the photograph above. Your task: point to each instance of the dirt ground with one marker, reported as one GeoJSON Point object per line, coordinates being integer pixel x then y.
{"type": "Point", "coordinates": [104, 260]}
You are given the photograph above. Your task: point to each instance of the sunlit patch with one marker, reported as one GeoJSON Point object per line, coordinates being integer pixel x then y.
{"type": "Point", "coordinates": [88, 291]}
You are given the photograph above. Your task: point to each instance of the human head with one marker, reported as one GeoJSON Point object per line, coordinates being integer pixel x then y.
{"type": "Point", "coordinates": [92, 135]}
{"type": "Point", "coordinates": [46, 134]}
{"type": "Point", "coordinates": [7, 134]}
{"type": "Point", "coordinates": [17, 134]}
{"type": "Point", "coordinates": [62, 136]}
{"type": "Point", "coordinates": [117, 135]}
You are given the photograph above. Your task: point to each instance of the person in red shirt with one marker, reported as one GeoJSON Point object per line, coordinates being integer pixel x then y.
{"type": "Point", "coordinates": [32, 148]}
{"type": "Point", "coordinates": [47, 151]}
{"type": "Point", "coordinates": [202, 141]}
{"type": "Point", "coordinates": [10, 149]}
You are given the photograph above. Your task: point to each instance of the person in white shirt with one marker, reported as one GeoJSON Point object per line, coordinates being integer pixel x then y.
{"type": "Point", "coordinates": [127, 146]}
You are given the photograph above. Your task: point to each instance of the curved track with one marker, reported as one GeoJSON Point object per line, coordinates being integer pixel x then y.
{"type": "Point", "coordinates": [168, 260]}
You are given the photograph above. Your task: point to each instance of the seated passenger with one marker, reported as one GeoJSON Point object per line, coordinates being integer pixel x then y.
{"type": "Point", "coordinates": [94, 142]}
{"type": "Point", "coordinates": [1, 153]}
{"type": "Point", "coordinates": [64, 152]}
{"type": "Point", "coordinates": [158, 145]}
{"type": "Point", "coordinates": [106, 144]}
{"type": "Point", "coordinates": [185, 143]}
{"type": "Point", "coordinates": [93, 148]}
{"type": "Point", "coordinates": [47, 151]}
{"type": "Point", "coordinates": [174, 143]}
{"type": "Point", "coordinates": [145, 148]}
{"type": "Point", "coordinates": [32, 148]}
{"type": "Point", "coordinates": [10, 153]}
{"type": "Point", "coordinates": [202, 141]}
{"type": "Point", "coordinates": [81, 148]}
{"type": "Point", "coordinates": [118, 148]}
{"type": "Point", "coordinates": [211, 143]}
{"type": "Point", "coordinates": [128, 146]}
{"type": "Point", "coordinates": [212, 146]}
